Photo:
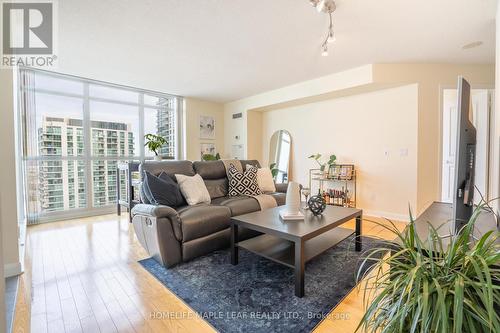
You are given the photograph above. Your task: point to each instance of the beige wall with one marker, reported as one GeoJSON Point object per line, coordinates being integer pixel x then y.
{"type": "Point", "coordinates": [194, 108]}
{"type": "Point", "coordinates": [8, 206]}
{"type": "Point", "coordinates": [359, 129]}
{"type": "Point", "coordinates": [431, 78]}
{"type": "Point", "coordinates": [254, 135]}
{"type": "Point", "coordinates": [236, 130]}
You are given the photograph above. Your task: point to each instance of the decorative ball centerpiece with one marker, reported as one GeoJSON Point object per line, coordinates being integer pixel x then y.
{"type": "Point", "coordinates": [317, 204]}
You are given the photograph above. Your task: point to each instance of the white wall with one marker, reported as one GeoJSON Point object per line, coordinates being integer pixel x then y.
{"type": "Point", "coordinates": [358, 129]}
{"type": "Point", "coordinates": [8, 203]}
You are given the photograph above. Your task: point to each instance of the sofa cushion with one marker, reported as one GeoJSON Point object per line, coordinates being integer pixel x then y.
{"type": "Point", "coordinates": [281, 187]}
{"type": "Point", "coordinates": [279, 197]}
{"type": "Point", "coordinates": [265, 180]}
{"type": "Point", "coordinates": [210, 169]}
{"type": "Point", "coordinates": [254, 163]}
{"type": "Point", "coordinates": [142, 194]}
{"type": "Point", "coordinates": [202, 220]}
{"type": "Point", "coordinates": [217, 187]}
{"type": "Point", "coordinates": [238, 205]}
{"type": "Point", "coordinates": [145, 194]}
{"type": "Point", "coordinates": [162, 189]}
{"type": "Point", "coordinates": [243, 183]}
{"type": "Point", "coordinates": [169, 167]}
{"type": "Point", "coordinates": [193, 189]}
{"type": "Point", "coordinates": [214, 176]}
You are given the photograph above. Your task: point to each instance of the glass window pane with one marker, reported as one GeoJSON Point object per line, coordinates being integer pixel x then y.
{"type": "Point", "coordinates": [56, 131]}
{"type": "Point", "coordinates": [120, 95]}
{"type": "Point", "coordinates": [161, 122]}
{"type": "Point", "coordinates": [162, 101]}
{"type": "Point", "coordinates": [58, 84]}
{"type": "Point", "coordinates": [59, 124]}
{"type": "Point", "coordinates": [114, 129]}
{"type": "Point", "coordinates": [104, 183]}
{"type": "Point", "coordinates": [62, 185]}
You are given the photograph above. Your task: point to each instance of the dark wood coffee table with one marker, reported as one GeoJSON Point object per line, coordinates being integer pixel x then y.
{"type": "Point", "coordinates": [293, 243]}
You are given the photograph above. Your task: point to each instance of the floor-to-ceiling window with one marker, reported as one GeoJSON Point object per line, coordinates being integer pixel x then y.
{"type": "Point", "coordinates": [74, 131]}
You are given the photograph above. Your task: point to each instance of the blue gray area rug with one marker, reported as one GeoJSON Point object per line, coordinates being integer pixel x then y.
{"type": "Point", "coordinates": [257, 295]}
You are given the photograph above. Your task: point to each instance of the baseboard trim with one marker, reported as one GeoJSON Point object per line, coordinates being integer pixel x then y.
{"type": "Point", "coordinates": [387, 215]}
{"type": "Point", "coordinates": [426, 207]}
{"type": "Point", "coordinates": [12, 269]}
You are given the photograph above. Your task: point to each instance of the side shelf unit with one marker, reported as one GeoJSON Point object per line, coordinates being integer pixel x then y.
{"type": "Point", "coordinates": [127, 189]}
{"type": "Point", "coordinates": [342, 185]}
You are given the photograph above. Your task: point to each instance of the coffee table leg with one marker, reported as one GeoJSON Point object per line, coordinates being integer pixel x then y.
{"type": "Point", "coordinates": [234, 241]}
{"type": "Point", "coordinates": [299, 268]}
{"type": "Point", "coordinates": [358, 232]}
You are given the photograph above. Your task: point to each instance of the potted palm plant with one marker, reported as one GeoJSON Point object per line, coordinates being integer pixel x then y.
{"type": "Point", "coordinates": [154, 143]}
{"type": "Point", "coordinates": [421, 285]}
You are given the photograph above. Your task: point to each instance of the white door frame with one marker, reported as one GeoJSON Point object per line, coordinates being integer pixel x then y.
{"type": "Point", "coordinates": [442, 87]}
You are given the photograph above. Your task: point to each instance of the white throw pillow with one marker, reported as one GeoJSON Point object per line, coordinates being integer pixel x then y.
{"type": "Point", "coordinates": [265, 180]}
{"type": "Point", "coordinates": [193, 189]}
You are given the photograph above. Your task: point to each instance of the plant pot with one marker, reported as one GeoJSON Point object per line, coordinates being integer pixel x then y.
{"type": "Point", "coordinates": [157, 158]}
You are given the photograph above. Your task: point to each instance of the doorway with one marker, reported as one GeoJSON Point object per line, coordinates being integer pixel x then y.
{"type": "Point", "coordinates": [481, 100]}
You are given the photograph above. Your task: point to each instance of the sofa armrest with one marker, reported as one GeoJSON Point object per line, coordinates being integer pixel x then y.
{"type": "Point", "coordinates": [158, 229]}
{"type": "Point", "coordinates": [160, 211]}
{"type": "Point", "coordinates": [282, 187]}
{"type": "Point", "coordinates": [154, 211]}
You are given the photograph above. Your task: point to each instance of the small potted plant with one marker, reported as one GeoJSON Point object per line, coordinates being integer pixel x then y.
{"type": "Point", "coordinates": [210, 157]}
{"type": "Point", "coordinates": [154, 143]}
{"type": "Point", "coordinates": [322, 166]}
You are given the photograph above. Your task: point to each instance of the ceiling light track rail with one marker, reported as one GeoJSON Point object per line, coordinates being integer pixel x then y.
{"type": "Point", "coordinates": [327, 7]}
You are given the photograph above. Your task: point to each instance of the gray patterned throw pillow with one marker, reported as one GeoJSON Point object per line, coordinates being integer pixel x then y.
{"type": "Point", "coordinates": [243, 183]}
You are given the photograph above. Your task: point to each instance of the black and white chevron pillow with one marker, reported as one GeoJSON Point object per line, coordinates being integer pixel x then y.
{"type": "Point", "coordinates": [243, 183]}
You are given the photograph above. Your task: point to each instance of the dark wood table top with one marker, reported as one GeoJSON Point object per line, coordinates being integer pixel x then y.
{"type": "Point", "coordinates": [269, 221]}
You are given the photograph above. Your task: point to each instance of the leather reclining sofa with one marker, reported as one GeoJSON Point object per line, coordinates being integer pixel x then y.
{"type": "Point", "coordinates": [175, 234]}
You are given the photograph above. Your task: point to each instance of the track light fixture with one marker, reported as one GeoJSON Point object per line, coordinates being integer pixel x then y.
{"type": "Point", "coordinates": [327, 7]}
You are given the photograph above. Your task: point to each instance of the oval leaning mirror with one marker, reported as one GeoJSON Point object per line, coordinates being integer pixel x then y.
{"type": "Point", "coordinates": [279, 155]}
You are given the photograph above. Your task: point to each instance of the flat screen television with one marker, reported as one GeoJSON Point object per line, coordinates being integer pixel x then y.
{"type": "Point", "coordinates": [463, 199]}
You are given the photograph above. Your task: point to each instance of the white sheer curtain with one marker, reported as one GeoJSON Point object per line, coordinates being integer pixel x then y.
{"type": "Point", "coordinates": [31, 181]}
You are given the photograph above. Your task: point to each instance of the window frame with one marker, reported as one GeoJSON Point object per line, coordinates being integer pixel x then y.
{"type": "Point", "coordinates": [90, 209]}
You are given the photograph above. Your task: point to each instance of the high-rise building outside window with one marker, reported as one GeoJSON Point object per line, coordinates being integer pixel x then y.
{"type": "Point", "coordinates": [75, 132]}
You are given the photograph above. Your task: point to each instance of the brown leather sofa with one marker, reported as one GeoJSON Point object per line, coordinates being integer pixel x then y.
{"type": "Point", "coordinates": [172, 235]}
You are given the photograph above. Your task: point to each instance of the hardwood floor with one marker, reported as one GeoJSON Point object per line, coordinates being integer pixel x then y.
{"type": "Point", "coordinates": [85, 278]}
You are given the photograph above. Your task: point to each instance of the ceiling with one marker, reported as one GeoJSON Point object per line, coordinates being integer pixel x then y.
{"type": "Point", "coordinates": [223, 50]}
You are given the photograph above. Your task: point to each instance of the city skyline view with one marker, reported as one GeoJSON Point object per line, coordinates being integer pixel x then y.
{"type": "Point", "coordinates": [62, 182]}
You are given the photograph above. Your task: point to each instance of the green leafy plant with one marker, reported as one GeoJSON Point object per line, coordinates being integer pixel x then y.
{"type": "Point", "coordinates": [154, 142]}
{"type": "Point", "coordinates": [420, 285]}
{"type": "Point", "coordinates": [322, 166]}
{"type": "Point", "coordinates": [210, 157]}
{"type": "Point", "coordinates": [274, 169]}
